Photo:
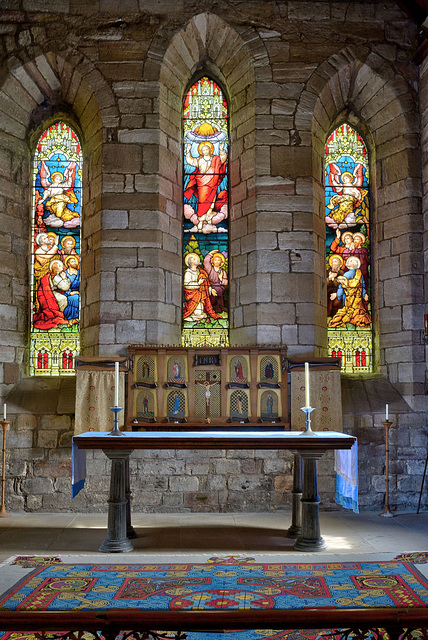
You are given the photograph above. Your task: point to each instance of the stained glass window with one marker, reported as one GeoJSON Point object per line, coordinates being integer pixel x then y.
{"type": "Point", "coordinates": [205, 315]}
{"type": "Point", "coordinates": [55, 256]}
{"type": "Point", "coordinates": [347, 217]}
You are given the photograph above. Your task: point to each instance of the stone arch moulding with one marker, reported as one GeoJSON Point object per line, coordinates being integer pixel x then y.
{"type": "Point", "coordinates": [379, 102]}
{"type": "Point", "coordinates": [207, 45]}
{"type": "Point", "coordinates": [33, 94]}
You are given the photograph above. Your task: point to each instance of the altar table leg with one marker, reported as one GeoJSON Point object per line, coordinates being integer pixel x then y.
{"type": "Point", "coordinates": [130, 531]}
{"type": "Point", "coordinates": [116, 540]}
{"type": "Point", "coordinates": [310, 538]}
{"type": "Point", "coordinates": [296, 519]}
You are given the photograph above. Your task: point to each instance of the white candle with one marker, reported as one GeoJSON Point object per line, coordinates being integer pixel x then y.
{"type": "Point", "coordinates": [386, 413]}
{"type": "Point", "coordinates": [4, 412]}
{"type": "Point", "coordinates": [307, 401]}
{"type": "Point", "coordinates": [116, 384]}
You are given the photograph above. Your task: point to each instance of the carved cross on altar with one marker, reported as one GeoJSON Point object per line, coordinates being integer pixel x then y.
{"type": "Point", "coordinates": [207, 384]}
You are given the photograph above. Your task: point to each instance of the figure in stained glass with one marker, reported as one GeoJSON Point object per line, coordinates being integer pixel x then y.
{"type": "Point", "coordinates": [72, 271]}
{"type": "Point", "coordinates": [197, 303]}
{"type": "Point", "coordinates": [333, 302]}
{"type": "Point", "coordinates": [352, 292]}
{"type": "Point", "coordinates": [51, 298]}
{"type": "Point", "coordinates": [347, 201]}
{"type": "Point", "coordinates": [210, 202]}
{"type": "Point", "coordinates": [58, 194]}
{"type": "Point", "coordinates": [68, 244]}
{"type": "Point", "coordinates": [217, 276]}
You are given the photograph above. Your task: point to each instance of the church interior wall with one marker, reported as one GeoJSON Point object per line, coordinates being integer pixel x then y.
{"type": "Point", "coordinates": [292, 71]}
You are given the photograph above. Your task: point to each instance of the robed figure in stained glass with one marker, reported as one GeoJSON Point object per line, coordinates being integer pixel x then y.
{"type": "Point", "coordinates": [58, 194]}
{"type": "Point", "coordinates": [197, 303]}
{"type": "Point", "coordinates": [353, 293]}
{"type": "Point", "coordinates": [348, 197]}
{"type": "Point", "coordinates": [204, 182]}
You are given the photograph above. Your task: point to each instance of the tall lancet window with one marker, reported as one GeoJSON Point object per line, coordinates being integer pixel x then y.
{"type": "Point", "coordinates": [205, 318]}
{"type": "Point", "coordinates": [347, 217]}
{"type": "Point", "coordinates": [55, 255]}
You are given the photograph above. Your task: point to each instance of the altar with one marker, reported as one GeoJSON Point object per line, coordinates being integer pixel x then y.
{"type": "Point", "coordinates": [308, 447]}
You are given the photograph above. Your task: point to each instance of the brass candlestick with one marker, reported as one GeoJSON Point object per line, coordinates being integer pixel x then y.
{"type": "Point", "coordinates": [386, 513]}
{"type": "Point", "coordinates": [3, 512]}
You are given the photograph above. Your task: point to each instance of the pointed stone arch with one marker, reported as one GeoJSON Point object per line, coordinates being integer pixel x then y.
{"type": "Point", "coordinates": [32, 95]}
{"type": "Point", "coordinates": [206, 44]}
{"type": "Point", "coordinates": [365, 90]}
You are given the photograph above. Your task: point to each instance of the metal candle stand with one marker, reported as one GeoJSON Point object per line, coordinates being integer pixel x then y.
{"type": "Point", "coordinates": [386, 513]}
{"type": "Point", "coordinates": [116, 431]}
{"type": "Point", "coordinates": [3, 512]}
{"type": "Point", "coordinates": [307, 411]}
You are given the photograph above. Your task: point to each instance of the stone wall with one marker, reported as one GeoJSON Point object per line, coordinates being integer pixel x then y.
{"type": "Point", "coordinates": [292, 71]}
{"type": "Point", "coordinates": [38, 472]}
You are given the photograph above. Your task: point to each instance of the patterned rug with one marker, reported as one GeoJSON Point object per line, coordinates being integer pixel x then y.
{"type": "Point", "coordinates": [220, 583]}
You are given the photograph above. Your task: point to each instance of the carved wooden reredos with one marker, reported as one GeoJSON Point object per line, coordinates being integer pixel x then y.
{"type": "Point", "coordinates": [191, 388]}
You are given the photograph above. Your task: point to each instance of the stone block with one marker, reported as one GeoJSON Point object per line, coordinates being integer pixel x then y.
{"type": "Point", "coordinates": [249, 484]}
{"type": "Point", "coordinates": [412, 316]}
{"type": "Point", "coordinates": [130, 331]}
{"type": "Point", "coordinates": [140, 136]}
{"type": "Point", "coordinates": [122, 158]}
{"type": "Point", "coordinates": [45, 469]}
{"type": "Point", "coordinates": [113, 183]}
{"type": "Point", "coordinates": [268, 262]}
{"type": "Point", "coordinates": [53, 422]}
{"type": "Point", "coordinates": [25, 422]}
{"type": "Point", "coordinates": [22, 439]}
{"type": "Point", "coordinates": [255, 288]}
{"type": "Point", "coordinates": [183, 483]}
{"type": "Point", "coordinates": [37, 486]}
{"type": "Point", "coordinates": [399, 291]}
{"type": "Point", "coordinates": [47, 439]}
{"type": "Point", "coordinates": [289, 335]}
{"type": "Point", "coordinates": [292, 287]}
{"type": "Point", "coordinates": [291, 161]}
{"type": "Point", "coordinates": [390, 319]}
{"type": "Point", "coordinates": [139, 284]}
{"type": "Point", "coordinates": [10, 372]}
{"type": "Point", "coordinates": [268, 334]}
{"type": "Point", "coordinates": [389, 267]}
{"type": "Point", "coordinates": [225, 466]}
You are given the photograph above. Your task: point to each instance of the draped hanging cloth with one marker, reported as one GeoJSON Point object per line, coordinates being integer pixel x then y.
{"type": "Point", "coordinates": [95, 394]}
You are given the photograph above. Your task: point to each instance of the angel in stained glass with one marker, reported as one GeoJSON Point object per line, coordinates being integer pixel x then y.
{"type": "Point", "coordinates": [348, 204]}
{"type": "Point", "coordinates": [58, 194]}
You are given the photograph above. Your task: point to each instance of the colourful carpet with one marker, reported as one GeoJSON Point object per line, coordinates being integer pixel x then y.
{"type": "Point", "coordinates": [221, 583]}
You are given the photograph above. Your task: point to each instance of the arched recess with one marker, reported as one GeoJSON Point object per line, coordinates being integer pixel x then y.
{"type": "Point", "coordinates": [32, 96]}
{"type": "Point", "coordinates": [206, 44]}
{"type": "Point", "coordinates": [371, 96]}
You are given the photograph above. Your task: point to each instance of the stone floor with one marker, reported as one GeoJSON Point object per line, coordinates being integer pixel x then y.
{"type": "Point", "coordinates": [346, 534]}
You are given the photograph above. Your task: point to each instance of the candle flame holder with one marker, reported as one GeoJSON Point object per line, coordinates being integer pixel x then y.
{"type": "Point", "coordinates": [116, 431]}
{"type": "Point", "coordinates": [307, 411]}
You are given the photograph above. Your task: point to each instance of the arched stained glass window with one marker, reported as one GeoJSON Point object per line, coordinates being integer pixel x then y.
{"type": "Point", "coordinates": [205, 319]}
{"type": "Point", "coordinates": [347, 217]}
{"type": "Point", "coordinates": [55, 256]}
